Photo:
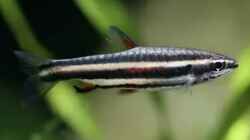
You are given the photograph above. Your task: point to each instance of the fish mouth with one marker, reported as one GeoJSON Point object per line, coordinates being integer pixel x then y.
{"type": "Point", "coordinates": [233, 65]}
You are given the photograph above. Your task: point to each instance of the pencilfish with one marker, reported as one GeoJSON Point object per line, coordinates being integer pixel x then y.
{"type": "Point", "coordinates": [139, 67]}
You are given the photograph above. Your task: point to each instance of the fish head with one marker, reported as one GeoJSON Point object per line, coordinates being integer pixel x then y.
{"type": "Point", "coordinates": [221, 65]}
{"type": "Point", "coordinates": [215, 66]}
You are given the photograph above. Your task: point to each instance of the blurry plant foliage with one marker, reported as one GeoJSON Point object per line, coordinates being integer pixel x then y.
{"type": "Point", "coordinates": [233, 119]}
{"type": "Point", "coordinates": [72, 108]}
{"type": "Point", "coordinates": [63, 101]}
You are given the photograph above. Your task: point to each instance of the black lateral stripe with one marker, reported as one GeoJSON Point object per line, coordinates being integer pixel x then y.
{"type": "Point", "coordinates": [154, 72]}
{"type": "Point", "coordinates": [135, 55]}
{"type": "Point", "coordinates": [151, 85]}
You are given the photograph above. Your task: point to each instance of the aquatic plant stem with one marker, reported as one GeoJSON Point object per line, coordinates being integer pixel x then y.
{"type": "Point", "coordinates": [61, 98]}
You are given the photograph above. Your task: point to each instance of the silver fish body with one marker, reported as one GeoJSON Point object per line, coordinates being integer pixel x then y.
{"type": "Point", "coordinates": [138, 67]}
{"type": "Point", "coordinates": [141, 67]}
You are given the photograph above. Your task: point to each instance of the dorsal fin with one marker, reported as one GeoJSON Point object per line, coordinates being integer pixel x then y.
{"type": "Point", "coordinates": [119, 37]}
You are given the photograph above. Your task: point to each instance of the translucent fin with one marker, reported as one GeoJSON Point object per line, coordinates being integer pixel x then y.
{"type": "Point", "coordinates": [127, 91]}
{"type": "Point", "coordinates": [84, 88]}
{"type": "Point", "coordinates": [28, 62]}
{"type": "Point", "coordinates": [34, 88]}
{"type": "Point", "coordinates": [119, 38]}
{"type": "Point", "coordinates": [81, 86]}
{"type": "Point", "coordinates": [188, 85]}
{"type": "Point", "coordinates": [33, 85]}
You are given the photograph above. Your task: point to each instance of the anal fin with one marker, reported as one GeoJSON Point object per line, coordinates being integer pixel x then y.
{"type": "Point", "coordinates": [84, 89]}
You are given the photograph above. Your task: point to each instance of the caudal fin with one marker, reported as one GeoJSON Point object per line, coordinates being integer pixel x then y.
{"type": "Point", "coordinates": [30, 65]}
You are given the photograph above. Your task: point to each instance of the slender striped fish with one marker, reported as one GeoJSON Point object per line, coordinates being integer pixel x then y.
{"type": "Point", "coordinates": [136, 68]}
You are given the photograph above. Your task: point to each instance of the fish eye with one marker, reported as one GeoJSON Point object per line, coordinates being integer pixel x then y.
{"type": "Point", "coordinates": [219, 66]}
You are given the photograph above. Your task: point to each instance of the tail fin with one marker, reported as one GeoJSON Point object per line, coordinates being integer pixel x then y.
{"type": "Point", "coordinates": [30, 64]}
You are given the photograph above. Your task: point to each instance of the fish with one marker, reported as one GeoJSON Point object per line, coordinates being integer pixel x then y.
{"type": "Point", "coordinates": [138, 67]}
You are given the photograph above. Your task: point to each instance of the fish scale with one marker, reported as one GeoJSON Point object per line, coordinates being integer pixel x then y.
{"type": "Point", "coordinates": [138, 67]}
{"type": "Point", "coordinates": [137, 54]}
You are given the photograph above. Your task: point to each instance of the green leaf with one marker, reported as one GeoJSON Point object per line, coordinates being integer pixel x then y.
{"type": "Point", "coordinates": [240, 130]}
{"type": "Point", "coordinates": [239, 104]}
{"type": "Point", "coordinates": [62, 98]}
{"type": "Point", "coordinates": [104, 13]}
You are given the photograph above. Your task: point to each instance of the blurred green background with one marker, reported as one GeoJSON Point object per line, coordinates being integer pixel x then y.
{"type": "Point", "coordinates": [217, 110]}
